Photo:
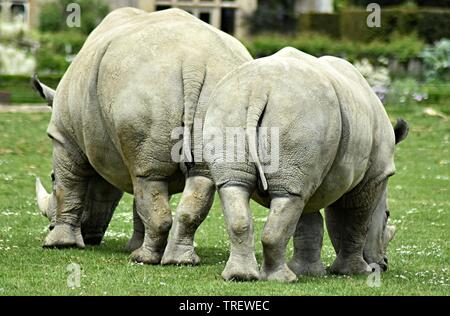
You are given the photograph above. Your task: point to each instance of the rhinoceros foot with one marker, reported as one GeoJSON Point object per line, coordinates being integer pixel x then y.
{"type": "Point", "coordinates": [135, 242]}
{"type": "Point", "coordinates": [64, 236]}
{"type": "Point", "coordinates": [180, 254]}
{"type": "Point", "coordinates": [144, 255]}
{"type": "Point", "coordinates": [93, 239]}
{"type": "Point", "coordinates": [241, 269]}
{"type": "Point", "coordinates": [280, 274]}
{"type": "Point", "coordinates": [350, 266]}
{"type": "Point", "coordinates": [307, 268]}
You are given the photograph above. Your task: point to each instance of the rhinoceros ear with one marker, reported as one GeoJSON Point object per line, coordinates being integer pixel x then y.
{"type": "Point", "coordinates": [401, 130]}
{"type": "Point", "coordinates": [45, 92]}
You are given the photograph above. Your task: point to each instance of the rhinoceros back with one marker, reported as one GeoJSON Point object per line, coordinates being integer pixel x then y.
{"type": "Point", "coordinates": [122, 96]}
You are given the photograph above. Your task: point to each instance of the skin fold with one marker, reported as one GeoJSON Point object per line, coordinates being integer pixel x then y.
{"type": "Point", "coordinates": [336, 151]}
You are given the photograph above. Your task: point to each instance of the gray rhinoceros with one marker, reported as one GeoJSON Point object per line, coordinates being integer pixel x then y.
{"type": "Point", "coordinates": [137, 78]}
{"type": "Point", "coordinates": [335, 150]}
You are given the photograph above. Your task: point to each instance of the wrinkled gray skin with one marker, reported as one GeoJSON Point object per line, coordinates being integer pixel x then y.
{"type": "Point", "coordinates": [336, 151]}
{"type": "Point", "coordinates": [137, 78]}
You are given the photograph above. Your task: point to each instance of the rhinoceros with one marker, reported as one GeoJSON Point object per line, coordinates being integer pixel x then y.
{"type": "Point", "coordinates": [138, 78]}
{"type": "Point", "coordinates": [334, 150]}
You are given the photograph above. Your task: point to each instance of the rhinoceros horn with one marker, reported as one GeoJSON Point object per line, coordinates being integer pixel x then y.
{"type": "Point", "coordinates": [43, 198]}
{"type": "Point", "coordinates": [390, 232]}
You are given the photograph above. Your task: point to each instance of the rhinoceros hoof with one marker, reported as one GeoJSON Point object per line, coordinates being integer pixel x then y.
{"type": "Point", "coordinates": [239, 270]}
{"type": "Point", "coordinates": [93, 239]}
{"type": "Point", "coordinates": [306, 268]}
{"type": "Point", "coordinates": [143, 255]}
{"type": "Point", "coordinates": [281, 274]}
{"type": "Point", "coordinates": [180, 254]}
{"type": "Point", "coordinates": [64, 236]}
{"type": "Point", "coordinates": [134, 243]}
{"type": "Point", "coordinates": [350, 267]}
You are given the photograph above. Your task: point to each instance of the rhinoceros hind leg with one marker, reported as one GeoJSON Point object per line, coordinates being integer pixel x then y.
{"type": "Point", "coordinates": [241, 265]}
{"type": "Point", "coordinates": [195, 203]}
{"type": "Point", "coordinates": [152, 205]}
{"type": "Point", "coordinates": [308, 239]}
{"type": "Point", "coordinates": [284, 215]}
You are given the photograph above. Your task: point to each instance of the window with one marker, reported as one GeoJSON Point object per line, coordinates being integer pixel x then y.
{"type": "Point", "coordinates": [205, 17]}
{"type": "Point", "coordinates": [228, 20]}
{"type": "Point", "coordinates": [162, 7]}
{"type": "Point", "coordinates": [18, 10]}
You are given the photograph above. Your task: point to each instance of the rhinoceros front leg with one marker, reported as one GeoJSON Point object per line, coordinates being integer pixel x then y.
{"type": "Point", "coordinates": [308, 239]}
{"type": "Point", "coordinates": [352, 214]}
{"type": "Point", "coordinates": [101, 201]}
{"type": "Point", "coordinates": [137, 238]}
{"type": "Point", "coordinates": [334, 225]}
{"type": "Point", "coordinates": [152, 205]}
{"type": "Point", "coordinates": [195, 203]}
{"type": "Point", "coordinates": [280, 226]}
{"type": "Point", "coordinates": [242, 263]}
{"type": "Point", "coordinates": [70, 187]}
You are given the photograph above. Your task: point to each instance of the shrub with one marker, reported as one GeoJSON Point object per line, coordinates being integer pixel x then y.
{"type": "Point", "coordinates": [433, 25]}
{"type": "Point", "coordinates": [59, 42]}
{"type": "Point", "coordinates": [433, 3]}
{"type": "Point", "coordinates": [15, 61]}
{"type": "Point", "coordinates": [406, 91]}
{"type": "Point", "coordinates": [50, 18]}
{"type": "Point", "coordinates": [53, 15]}
{"type": "Point", "coordinates": [429, 24]}
{"type": "Point", "coordinates": [380, 2]}
{"type": "Point", "coordinates": [323, 23]}
{"type": "Point", "coordinates": [400, 47]}
{"type": "Point", "coordinates": [49, 62]}
{"type": "Point", "coordinates": [437, 60]}
{"type": "Point", "coordinates": [56, 49]}
{"type": "Point", "coordinates": [20, 87]}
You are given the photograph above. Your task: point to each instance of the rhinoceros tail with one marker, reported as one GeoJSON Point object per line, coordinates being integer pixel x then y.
{"type": "Point", "coordinates": [256, 108]}
{"type": "Point", "coordinates": [193, 74]}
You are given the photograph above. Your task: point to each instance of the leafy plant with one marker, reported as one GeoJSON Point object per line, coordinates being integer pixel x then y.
{"type": "Point", "coordinates": [377, 76]}
{"type": "Point", "coordinates": [436, 59]}
{"type": "Point", "coordinates": [406, 91]}
{"type": "Point", "coordinates": [53, 15]}
{"type": "Point", "coordinates": [402, 48]}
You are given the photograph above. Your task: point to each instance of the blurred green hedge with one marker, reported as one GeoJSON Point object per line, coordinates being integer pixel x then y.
{"type": "Point", "coordinates": [54, 47]}
{"type": "Point", "coordinates": [402, 48]}
{"type": "Point", "coordinates": [53, 15]}
{"type": "Point", "coordinates": [21, 89]}
{"type": "Point", "coordinates": [422, 3]}
{"type": "Point", "coordinates": [351, 24]}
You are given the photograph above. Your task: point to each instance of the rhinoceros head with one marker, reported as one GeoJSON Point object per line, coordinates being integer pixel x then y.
{"type": "Point", "coordinates": [380, 233]}
{"type": "Point", "coordinates": [46, 202]}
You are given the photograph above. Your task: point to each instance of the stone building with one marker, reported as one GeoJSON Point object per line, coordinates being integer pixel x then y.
{"type": "Point", "coordinates": [228, 15]}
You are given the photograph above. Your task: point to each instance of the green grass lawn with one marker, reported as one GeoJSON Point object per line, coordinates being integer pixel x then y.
{"type": "Point", "coordinates": [419, 197]}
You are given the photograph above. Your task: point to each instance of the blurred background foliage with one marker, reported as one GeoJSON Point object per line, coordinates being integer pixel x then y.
{"type": "Point", "coordinates": [409, 53]}
{"type": "Point", "coordinates": [53, 15]}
